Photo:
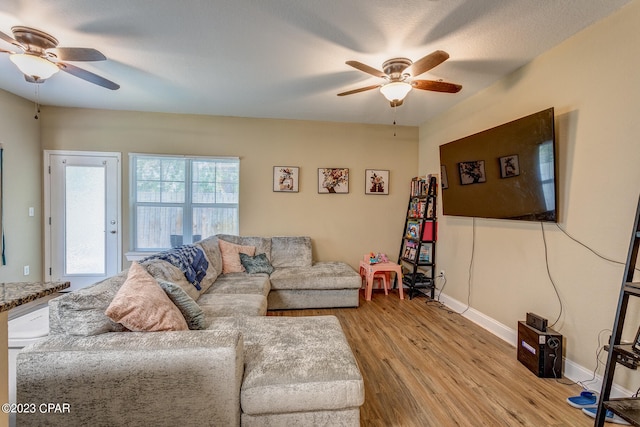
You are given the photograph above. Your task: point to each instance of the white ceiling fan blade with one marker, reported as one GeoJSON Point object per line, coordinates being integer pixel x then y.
{"type": "Point", "coordinates": [12, 41]}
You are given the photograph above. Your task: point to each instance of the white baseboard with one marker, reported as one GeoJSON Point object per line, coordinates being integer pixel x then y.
{"type": "Point", "coordinates": [572, 370]}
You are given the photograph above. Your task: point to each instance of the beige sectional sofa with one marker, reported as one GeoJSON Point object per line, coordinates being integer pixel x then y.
{"type": "Point", "coordinates": [242, 368]}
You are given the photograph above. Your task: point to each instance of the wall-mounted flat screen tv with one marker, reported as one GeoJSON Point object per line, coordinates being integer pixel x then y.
{"type": "Point", "coordinates": [506, 172]}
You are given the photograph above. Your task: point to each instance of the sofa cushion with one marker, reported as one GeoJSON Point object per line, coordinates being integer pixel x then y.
{"type": "Point", "coordinates": [163, 270]}
{"type": "Point", "coordinates": [241, 283]}
{"type": "Point", "coordinates": [231, 256]}
{"type": "Point", "coordinates": [256, 264]}
{"type": "Point", "coordinates": [192, 313]}
{"type": "Point", "coordinates": [291, 252]}
{"type": "Point", "coordinates": [294, 299]}
{"type": "Point", "coordinates": [262, 244]}
{"type": "Point", "coordinates": [237, 305]}
{"type": "Point", "coordinates": [298, 364]}
{"type": "Point", "coordinates": [212, 252]}
{"type": "Point", "coordinates": [190, 259]}
{"type": "Point", "coordinates": [214, 268]}
{"type": "Point", "coordinates": [141, 305]}
{"type": "Point", "coordinates": [81, 312]}
{"type": "Point", "coordinates": [322, 275]}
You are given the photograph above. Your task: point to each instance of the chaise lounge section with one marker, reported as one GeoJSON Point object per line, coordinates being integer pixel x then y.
{"type": "Point", "coordinates": [242, 368]}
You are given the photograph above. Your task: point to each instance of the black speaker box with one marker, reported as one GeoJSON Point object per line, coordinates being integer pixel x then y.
{"type": "Point", "coordinates": [540, 352]}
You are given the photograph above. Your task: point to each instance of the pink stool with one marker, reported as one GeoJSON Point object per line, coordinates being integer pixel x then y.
{"type": "Point", "coordinates": [383, 278]}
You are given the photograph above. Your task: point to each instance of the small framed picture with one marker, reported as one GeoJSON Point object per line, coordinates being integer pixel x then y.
{"type": "Point", "coordinates": [333, 180]}
{"type": "Point", "coordinates": [376, 181]}
{"type": "Point", "coordinates": [286, 179]}
{"type": "Point", "coordinates": [472, 172]}
{"type": "Point", "coordinates": [509, 166]}
{"type": "Point", "coordinates": [445, 179]}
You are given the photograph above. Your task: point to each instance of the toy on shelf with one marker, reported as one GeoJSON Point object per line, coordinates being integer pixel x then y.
{"type": "Point", "coordinates": [375, 258]}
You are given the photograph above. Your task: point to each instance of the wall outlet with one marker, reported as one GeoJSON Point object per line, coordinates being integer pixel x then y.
{"type": "Point", "coordinates": [26, 270]}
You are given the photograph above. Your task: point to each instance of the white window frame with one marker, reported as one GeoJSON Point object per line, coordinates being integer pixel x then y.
{"type": "Point", "coordinates": [187, 206]}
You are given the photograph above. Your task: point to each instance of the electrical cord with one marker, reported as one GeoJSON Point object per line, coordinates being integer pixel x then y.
{"type": "Point", "coordinates": [442, 288]}
{"type": "Point", "coordinates": [588, 248]}
{"type": "Point", "coordinates": [600, 349]}
{"type": "Point", "coordinates": [546, 256]}
{"type": "Point", "coordinates": [473, 251]}
{"type": "Point", "coordinates": [437, 301]}
{"type": "Point", "coordinates": [554, 344]}
{"type": "Point", "coordinates": [555, 287]}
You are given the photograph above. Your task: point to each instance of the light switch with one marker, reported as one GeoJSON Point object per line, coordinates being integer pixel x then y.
{"type": "Point", "coordinates": [32, 211]}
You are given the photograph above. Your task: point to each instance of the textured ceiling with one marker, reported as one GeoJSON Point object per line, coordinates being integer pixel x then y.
{"type": "Point", "coordinates": [286, 58]}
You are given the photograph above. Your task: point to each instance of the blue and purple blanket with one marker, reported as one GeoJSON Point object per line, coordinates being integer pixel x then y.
{"type": "Point", "coordinates": [189, 259]}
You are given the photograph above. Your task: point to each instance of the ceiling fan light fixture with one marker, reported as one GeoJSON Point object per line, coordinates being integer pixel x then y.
{"type": "Point", "coordinates": [34, 66]}
{"type": "Point", "coordinates": [395, 91]}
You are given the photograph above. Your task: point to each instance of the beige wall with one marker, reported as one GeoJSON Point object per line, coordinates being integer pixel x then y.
{"type": "Point", "coordinates": [592, 80]}
{"type": "Point", "coordinates": [20, 136]}
{"type": "Point", "coordinates": [342, 226]}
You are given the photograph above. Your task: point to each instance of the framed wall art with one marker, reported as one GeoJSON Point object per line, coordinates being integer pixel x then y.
{"type": "Point", "coordinates": [286, 179]}
{"type": "Point", "coordinates": [376, 181]}
{"type": "Point", "coordinates": [333, 180]}
{"type": "Point", "coordinates": [472, 172]}
{"type": "Point", "coordinates": [509, 166]}
{"type": "Point", "coordinates": [445, 179]}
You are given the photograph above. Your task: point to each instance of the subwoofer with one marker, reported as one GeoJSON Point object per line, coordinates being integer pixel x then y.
{"type": "Point", "coordinates": [540, 352]}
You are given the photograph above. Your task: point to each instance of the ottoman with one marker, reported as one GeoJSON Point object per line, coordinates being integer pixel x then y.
{"type": "Point", "coordinates": [299, 371]}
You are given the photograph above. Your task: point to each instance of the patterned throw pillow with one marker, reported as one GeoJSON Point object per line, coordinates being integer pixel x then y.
{"type": "Point", "coordinates": [256, 264]}
{"type": "Point", "coordinates": [141, 305]}
{"type": "Point", "coordinates": [191, 311]}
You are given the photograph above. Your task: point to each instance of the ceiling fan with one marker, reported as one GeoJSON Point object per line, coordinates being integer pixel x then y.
{"type": "Point", "coordinates": [38, 57]}
{"type": "Point", "coordinates": [399, 74]}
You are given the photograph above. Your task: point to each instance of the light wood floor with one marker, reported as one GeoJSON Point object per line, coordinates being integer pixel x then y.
{"type": "Point", "coordinates": [425, 366]}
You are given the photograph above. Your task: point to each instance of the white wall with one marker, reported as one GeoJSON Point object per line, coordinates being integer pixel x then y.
{"type": "Point", "coordinates": [20, 137]}
{"type": "Point", "coordinates": [593, 83]}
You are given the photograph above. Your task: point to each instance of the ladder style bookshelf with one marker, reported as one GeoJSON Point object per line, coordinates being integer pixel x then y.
{"type": "Point", "coordinates": [418, 249]}
{"type": "Point", "coordinates": [624, 354]}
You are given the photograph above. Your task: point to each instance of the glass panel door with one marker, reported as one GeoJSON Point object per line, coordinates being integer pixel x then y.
{"type": "Point", "coordinates": [84, 212]}
{"type": "Point", "coordinates": [83, 206]}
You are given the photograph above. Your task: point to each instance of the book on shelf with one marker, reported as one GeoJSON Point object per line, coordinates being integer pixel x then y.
{"type": "Point", "coordinates": [430, 231]}
{"type": "Point", "coordinates": [419, 186]}
{"type": "Point", "coordinates": [416, 208]}
{"type": "Point", "coordinates": [425, 253]}
{"type": "Point", "coordinates": [432, 183]}
{"type": "Point", "coordinates": [413, 229]}
{"type": "Point", "coordinates": [430, 211]}
{"type": "Point", "coordinates": [410, 249]}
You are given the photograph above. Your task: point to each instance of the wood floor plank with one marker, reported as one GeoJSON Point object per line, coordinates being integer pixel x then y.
{"type": "Point", "coordinates": [427, 366]}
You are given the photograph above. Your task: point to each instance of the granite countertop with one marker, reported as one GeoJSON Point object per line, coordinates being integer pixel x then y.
{"type": "Point", "coordinates": [14, 294]}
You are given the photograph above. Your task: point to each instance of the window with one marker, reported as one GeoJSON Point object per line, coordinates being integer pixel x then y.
{"type": "Point", "coordinates": [179, 200]}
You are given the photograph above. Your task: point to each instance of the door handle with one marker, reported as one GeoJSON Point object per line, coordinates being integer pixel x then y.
{"type": "Point", "coordinates": [113, 231]}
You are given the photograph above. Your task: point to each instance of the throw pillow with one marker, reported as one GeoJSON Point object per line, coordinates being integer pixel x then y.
{"type": "Point", "coordinates": [191, 311]}
{"type": "Point", "coordinates": [231, 256]}
{"type": "Point", "coordinates": [256, 264]}
{"type": "Point", "coordinates": [141, 305]}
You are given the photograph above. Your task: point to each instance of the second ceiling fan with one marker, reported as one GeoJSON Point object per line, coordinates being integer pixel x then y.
{"type": "Point", "coordinates": [400, 74]}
